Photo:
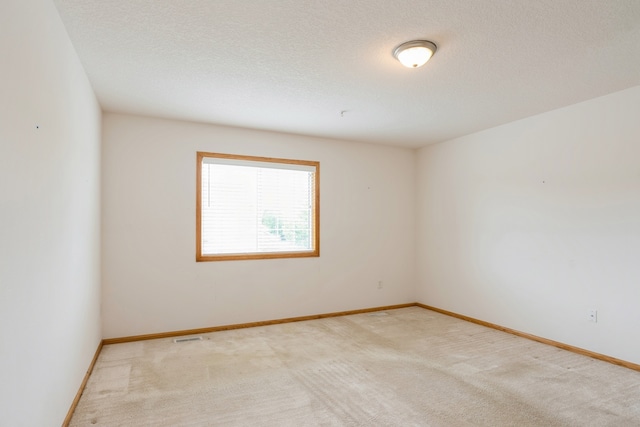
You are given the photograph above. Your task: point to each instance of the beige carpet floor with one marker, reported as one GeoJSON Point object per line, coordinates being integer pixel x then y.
{"type": "Point", "coordinates": [405, 367]}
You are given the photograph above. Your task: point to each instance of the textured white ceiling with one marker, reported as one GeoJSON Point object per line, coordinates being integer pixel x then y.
{"type": "Point", "coordinates": [294, 65]}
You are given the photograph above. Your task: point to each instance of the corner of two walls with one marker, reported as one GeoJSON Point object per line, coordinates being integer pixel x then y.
{"type": "Point", "coordinates": [532, 224]}
{"type": "Point", "coordinates": [151, 281]}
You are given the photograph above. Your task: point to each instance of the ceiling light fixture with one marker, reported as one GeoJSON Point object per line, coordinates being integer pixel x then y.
{"type": "Point", "coordinates": [415, 53]}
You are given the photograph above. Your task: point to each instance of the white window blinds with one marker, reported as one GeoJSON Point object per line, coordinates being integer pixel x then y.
{"type": "Point", "coordinates": [256, 207]}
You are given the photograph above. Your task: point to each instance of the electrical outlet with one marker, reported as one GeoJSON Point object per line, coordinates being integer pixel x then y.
{"type": "Point", "coordinates": [379, 284]}
{"type": "Point", "coordinates": [592, 315]}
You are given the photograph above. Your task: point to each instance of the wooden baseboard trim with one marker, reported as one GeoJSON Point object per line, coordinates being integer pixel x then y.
{"type": "Point", "coordinates": [249, 325]}
{"type": "Point", "coordinates": [553, 343]}
{"type": "Point", "coordinates": [72, 409]}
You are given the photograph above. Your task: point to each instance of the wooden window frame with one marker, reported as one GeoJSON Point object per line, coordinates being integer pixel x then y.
{"type": "Point", "coordinates": [315, 235]}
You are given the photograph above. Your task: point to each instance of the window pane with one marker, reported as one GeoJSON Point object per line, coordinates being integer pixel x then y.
{"type": "Point", "coordinates": [261, 207]}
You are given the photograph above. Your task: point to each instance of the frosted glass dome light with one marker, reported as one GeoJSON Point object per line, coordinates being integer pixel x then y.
{"type": "Point", "coordinates": [415, 53]}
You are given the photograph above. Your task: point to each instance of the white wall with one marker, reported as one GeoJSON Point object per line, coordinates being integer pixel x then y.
{"type": "Point", "coordinates": [531, 224]}
{"type": "Point", "coordinates": [49, 217]}
{"type": "Point", "coordinates": [151, 282]}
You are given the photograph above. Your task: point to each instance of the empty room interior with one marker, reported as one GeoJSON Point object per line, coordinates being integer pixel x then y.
{"type": "Point", "coordinates": [489, 197]}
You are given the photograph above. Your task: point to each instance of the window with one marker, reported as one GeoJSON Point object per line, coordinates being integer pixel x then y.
{"type": "Point", "coordinates": [256, 207]}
